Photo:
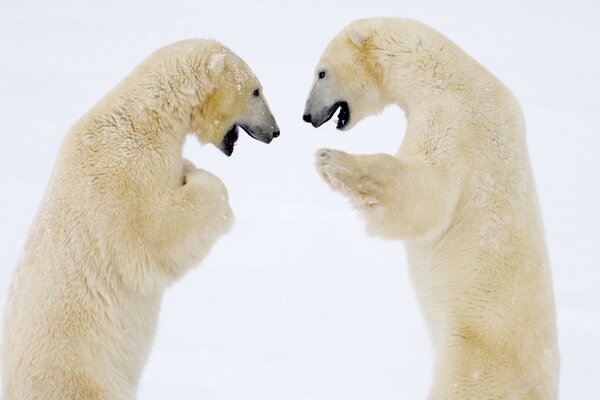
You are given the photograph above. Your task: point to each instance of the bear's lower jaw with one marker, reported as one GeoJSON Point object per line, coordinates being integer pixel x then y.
{"type": "Point", "coordinates": [228, 142]}
{"type": "Point", "coordinates": [343, 117]}
{"type": "Point", "coordinates": [258, 134]}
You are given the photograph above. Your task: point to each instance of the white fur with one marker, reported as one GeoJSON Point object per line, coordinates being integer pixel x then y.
{"type": "Point", "coordinates": [123, 217]}
{"type": "Point", "coordinates": [460, 193]}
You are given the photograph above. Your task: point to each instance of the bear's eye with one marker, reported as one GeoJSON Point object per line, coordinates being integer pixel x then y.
{"type": "Point", "coordinates": [256, 93]}
{"type": "Point", "coordinates": [321, 74]}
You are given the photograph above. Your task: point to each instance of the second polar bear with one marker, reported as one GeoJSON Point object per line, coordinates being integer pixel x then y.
{"type": "Point", "coordinates": [459, 191]}
{"type": "Point", "coordinates": [123, 217]}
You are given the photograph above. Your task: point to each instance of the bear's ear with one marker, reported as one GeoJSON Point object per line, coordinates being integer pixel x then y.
{"type": "Point", "coordinates": [358, 35]}
{"type": "Point", "coordinates": [217, 63]}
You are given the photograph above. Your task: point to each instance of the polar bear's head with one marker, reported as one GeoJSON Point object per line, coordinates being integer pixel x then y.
{"type": "Point", "coordinates": [345, 79]}
{"type": "Point", "coordinates": [235, 101]}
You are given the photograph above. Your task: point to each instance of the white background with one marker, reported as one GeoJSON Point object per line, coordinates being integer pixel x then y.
{"type": "Point", "coordinates": [297, 303]}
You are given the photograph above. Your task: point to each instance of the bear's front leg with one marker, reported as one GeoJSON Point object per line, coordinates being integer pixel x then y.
{"type": "Point", "coordinates": [400, 198]}
{"type": "Point", "coordinates": [187, 224]}
{"type": "Point", "coordinates": [205, 209]}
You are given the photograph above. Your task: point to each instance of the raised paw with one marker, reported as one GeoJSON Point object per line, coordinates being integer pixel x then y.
{"type": "Point", "coordinates": [335, 168]}
{"type": "Point", "coordinates": [206, 184]}
{"type": "Point", "coordinates": [187, 168]}
{"type": "Point", "coordinates": [344, 173]}
{"type": "Point", "coordinates": [201, 178]}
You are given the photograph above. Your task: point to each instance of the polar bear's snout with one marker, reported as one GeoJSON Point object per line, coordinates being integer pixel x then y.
{"type": "Point", "coordinates": [257, 121]}
{"type": "Point", "coordinates": [324, 100]}
{"type": "Point", "coordinates": [260, 122]}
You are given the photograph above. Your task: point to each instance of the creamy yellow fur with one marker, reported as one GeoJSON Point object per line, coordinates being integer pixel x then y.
{"type": "Point", "coordinates": [460, 192]}
{"type": "Point", "coordinates": [123, 217]}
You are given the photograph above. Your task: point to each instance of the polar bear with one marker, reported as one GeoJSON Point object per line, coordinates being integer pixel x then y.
{"type": "Point", "coordinates": [459, 192]}
{"type": "Point", "coordinates": [123, 217]}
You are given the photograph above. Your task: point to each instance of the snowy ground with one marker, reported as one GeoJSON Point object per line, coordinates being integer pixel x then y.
{"type": "Point", "coordinates": [296, 303]}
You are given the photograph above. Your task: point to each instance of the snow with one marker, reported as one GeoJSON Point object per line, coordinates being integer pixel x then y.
{"type": "Point", "coordinates": [297, 303]}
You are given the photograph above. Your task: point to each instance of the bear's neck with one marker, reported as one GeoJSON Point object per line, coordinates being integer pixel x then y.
{"type": "Point", "coordinates": [437, 127]}
{"type": "Point", "coordinates": [433, 87]}
{"type": "Point", "coordinates": [426, 75]}
{"type": "Point", "coordinates": [139, 122]}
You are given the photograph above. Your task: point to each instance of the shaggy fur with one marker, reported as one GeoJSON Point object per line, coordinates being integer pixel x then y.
{"type": "Point", "coordinates": [123, 217]}
{"type": "Point", "coordinates": [460, 193]}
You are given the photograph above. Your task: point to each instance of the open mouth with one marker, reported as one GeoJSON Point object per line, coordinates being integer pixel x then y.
{"type": "Point", "coordinates": [229, 140]}
{"type": "Point", "coordinates": [343, 116]}
{"type": "Point", "coordinates": [233, 134]}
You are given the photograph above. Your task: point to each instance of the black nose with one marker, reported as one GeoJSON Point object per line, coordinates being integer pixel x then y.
{"type": "Point", "coordinates": [276, 134]}
{"type": "Point", "coordinates": [307, 118]}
